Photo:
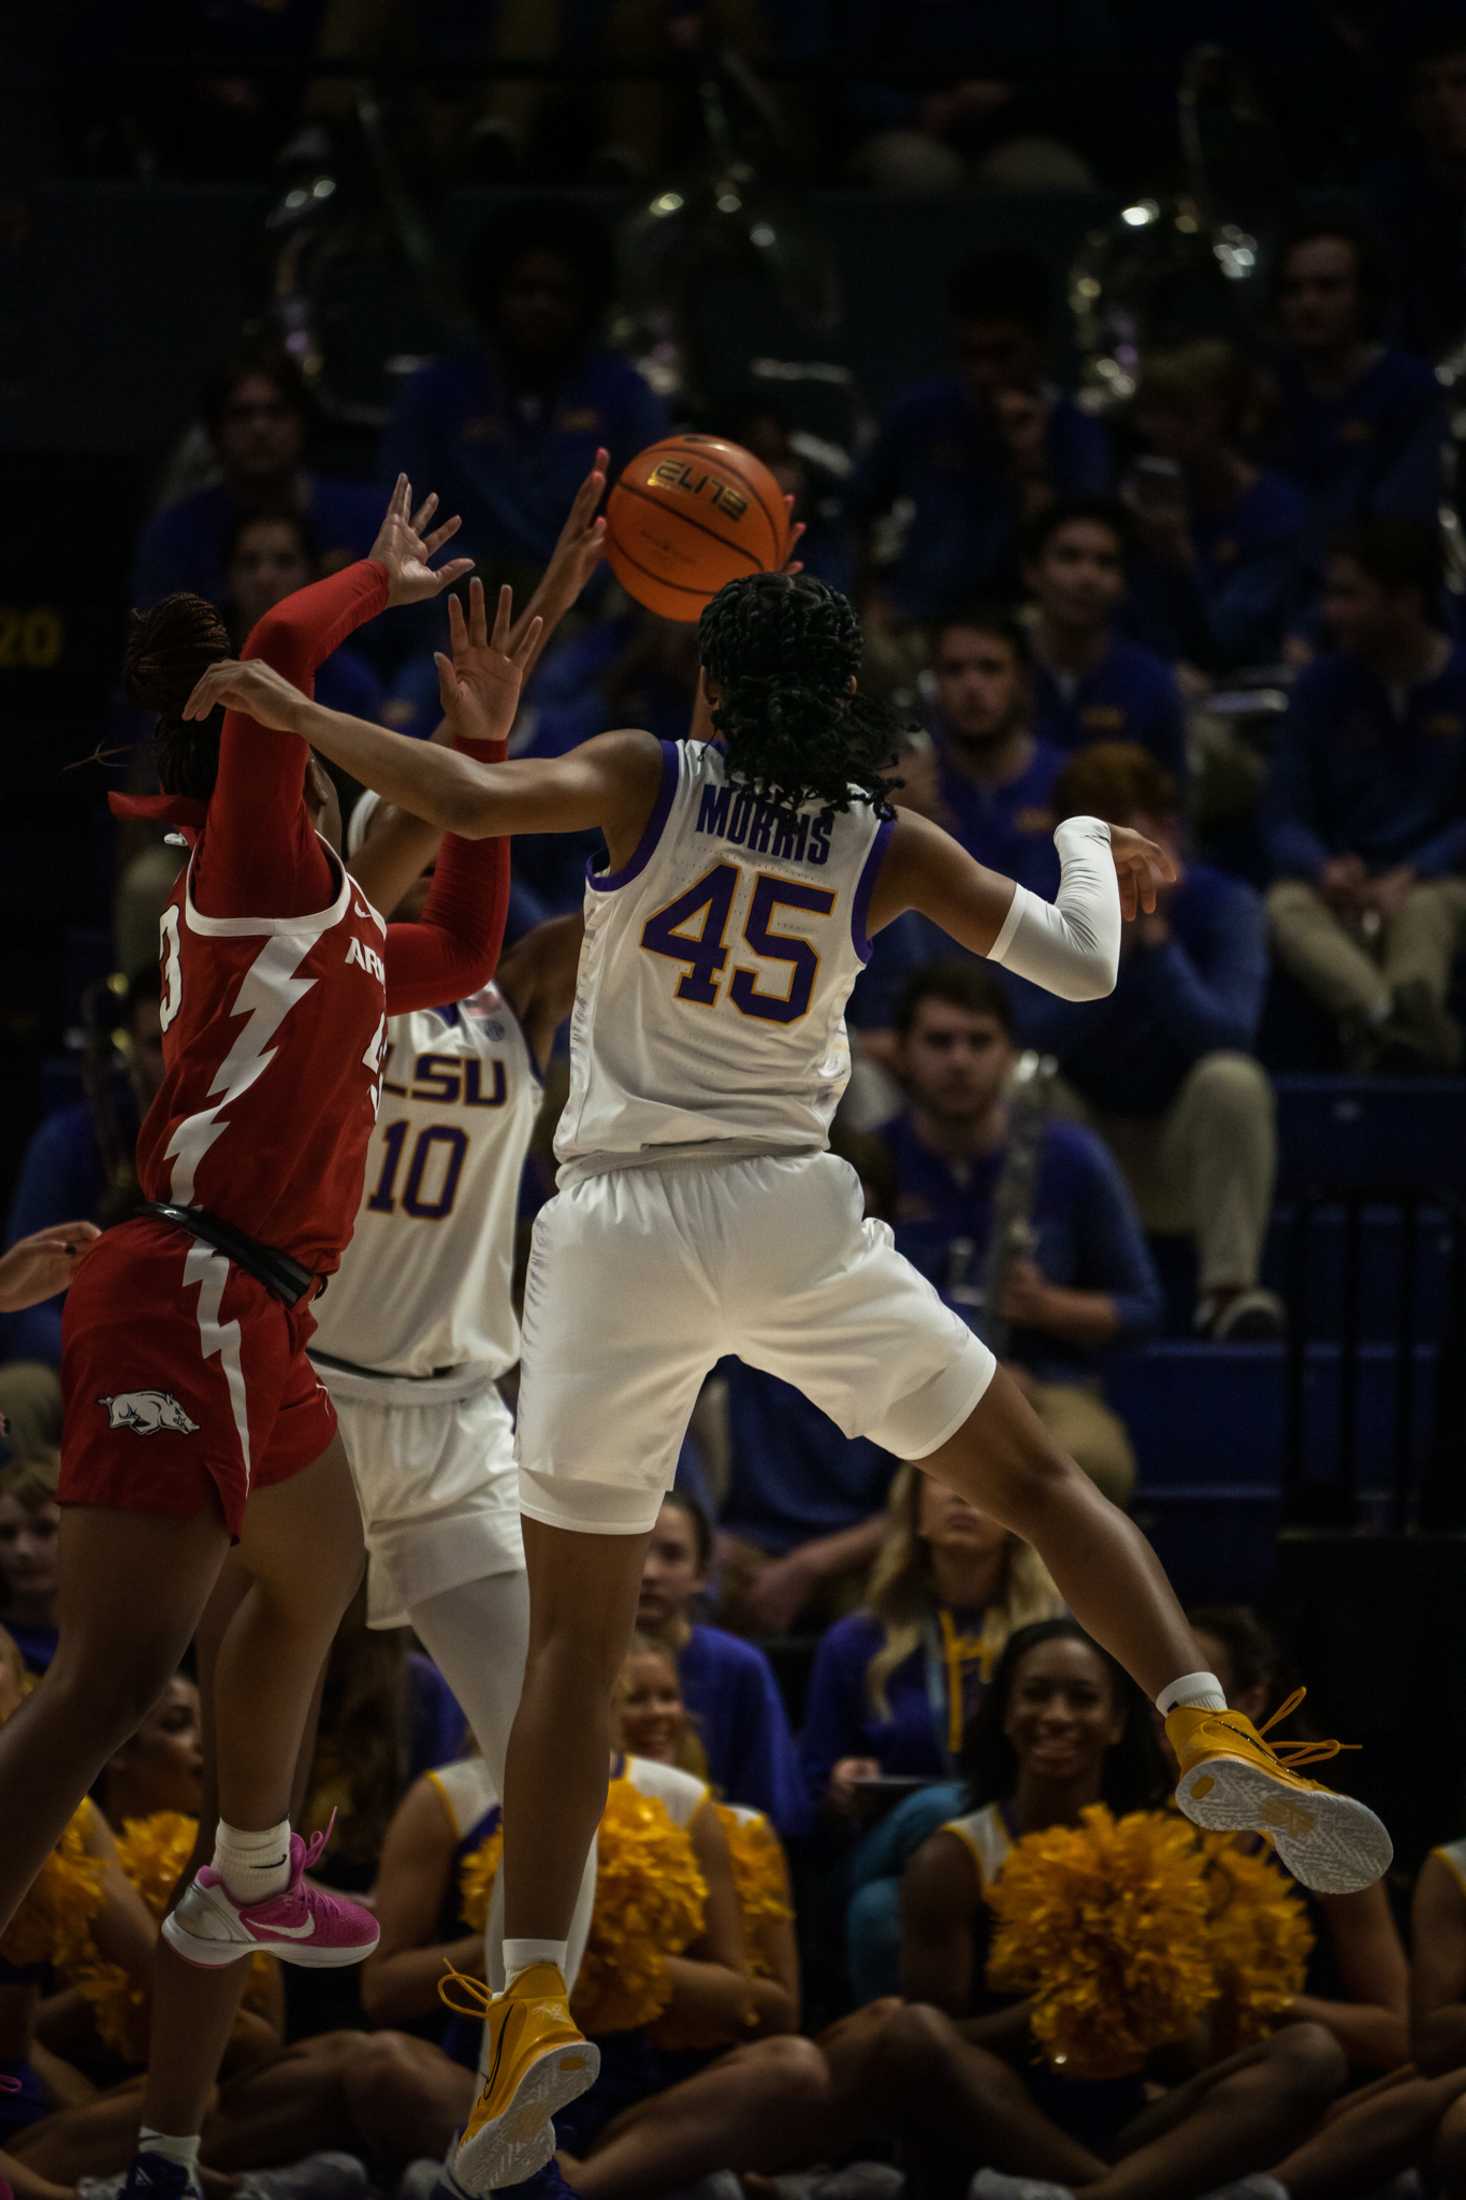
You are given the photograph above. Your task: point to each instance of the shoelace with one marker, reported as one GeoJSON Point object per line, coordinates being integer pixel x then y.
{"type": "Point", "coordinates": [477, 1995]}
{"type": "Point", "coordinates": [315, 1848]}
{"type": "Point", "coordinates": [1293, 1755]}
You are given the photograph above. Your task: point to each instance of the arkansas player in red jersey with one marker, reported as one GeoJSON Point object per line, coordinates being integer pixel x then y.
{"type": "Point", "coordinates": [193, 1418]}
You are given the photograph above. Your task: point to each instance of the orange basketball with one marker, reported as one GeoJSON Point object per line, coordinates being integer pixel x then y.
{"type": "Point", "coordinates": [689, 514]}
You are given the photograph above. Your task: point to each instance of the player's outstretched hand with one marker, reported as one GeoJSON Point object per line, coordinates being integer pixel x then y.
{"type": "Point", "coordinates": [38, 1266]}
{"type": "Point", "coordinates": [406, 551]}
{"type": "Point", "coordinates": [479, 684]}
{"type": "Point", "coordinates": [580, 547]}
{"type": "Point", "coordinates": [251, 686]}
{"type": "Point", "coordinates": [1142, 869]}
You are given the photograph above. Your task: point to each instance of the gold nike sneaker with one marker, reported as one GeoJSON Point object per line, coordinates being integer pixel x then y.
{"type": "Point", "coordinates": [1233, 1780]}
{"type": "Point", "coordinates": [536, 2062]}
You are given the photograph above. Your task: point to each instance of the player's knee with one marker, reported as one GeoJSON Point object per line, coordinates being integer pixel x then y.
{"type": "Point", "coordinates": [111, 1688]}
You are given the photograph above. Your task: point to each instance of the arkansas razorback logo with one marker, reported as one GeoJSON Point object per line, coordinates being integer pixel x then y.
{"type": "Point", "coordinates": [148, 1411]}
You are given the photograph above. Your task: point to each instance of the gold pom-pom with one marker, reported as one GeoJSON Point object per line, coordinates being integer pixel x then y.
{"type": "Point", "coordinates": [476, 1876]}
{"type": "Point", "coordinates": [650, 1903]}
{"type": "Point", "coordinates": [1104, 1926]}
{"type": "Point", "coordinates": [760, 1881]}
{"type": "Point", "coordinates": [152, 1852]}
{"type": "Point", "coordinates": [53, 1923]}
{"type": "Point", "coordinates": [1259, 1935]}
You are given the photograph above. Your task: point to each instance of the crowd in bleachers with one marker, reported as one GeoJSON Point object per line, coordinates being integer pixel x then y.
{"type": "Point", "coordinates": [1224, 612]}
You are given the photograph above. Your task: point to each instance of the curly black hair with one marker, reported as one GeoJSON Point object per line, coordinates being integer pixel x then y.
{"type": "Point", "coordinates": [783, 652]}
{"type": "Point", "coordinates": [168, 649]}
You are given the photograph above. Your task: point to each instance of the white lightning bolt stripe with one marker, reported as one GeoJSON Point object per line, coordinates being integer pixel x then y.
{"type": "Point", "coordinates": [267, 993]}
{"type": "Point", "coordinates": [210, 1271]}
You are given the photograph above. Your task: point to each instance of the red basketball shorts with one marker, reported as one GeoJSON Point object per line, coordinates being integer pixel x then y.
{"type": "Point", "coordinates": [184, 1380]}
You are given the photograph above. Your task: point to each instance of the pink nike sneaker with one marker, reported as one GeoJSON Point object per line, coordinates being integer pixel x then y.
{"type": "Point", "coordinates": [303, 1924]}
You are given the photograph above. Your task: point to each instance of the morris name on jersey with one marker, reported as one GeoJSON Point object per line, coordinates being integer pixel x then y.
{"type": "Point", "coordinates": [710, 1003]}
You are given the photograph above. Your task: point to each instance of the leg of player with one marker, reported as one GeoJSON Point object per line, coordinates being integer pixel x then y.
{"type": "Point", "coordinates": [194, 2009]}
{"type": "Point", "coordinates": [476, 1634]}
{"type": "Point", "coordinates": [1003, 1461]}
{"type": "Point", "coordinates": [133, 1586]}
{"type": "Point", "coordinates": [301, 1548]}
{"type": "Point", "coordinates": [583, 1593]}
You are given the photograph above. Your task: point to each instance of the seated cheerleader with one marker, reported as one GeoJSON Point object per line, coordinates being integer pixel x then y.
{"type": "Point", "coordinates": [1025, 2045]}
{"type": "Point", "coordinates": [665, 1986]}
{"type": "Point", "coordinates": [1358, 1980]}
{"type": "Point", "coordinates": [895, 1687]}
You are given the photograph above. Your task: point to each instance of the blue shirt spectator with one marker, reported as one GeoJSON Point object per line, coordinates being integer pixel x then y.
{"type": "Point", "coordinates": [256, 414]}
{"type": "Point", "coordinates": [959, 460]}
{"type": "Point", "coordinates": [1360, 429]}
{"type": "Point", "coordinates": [64, 1175]}
{"type": "Point", "coordinates": [727, 1684]}
{"type": "Point", "coordinates": [939, 475]}
{"type": "Point", "coordinates": [1190, 985]}
{"type": "Point", "coordinates": [1222, 541]}
{"type": "Point", "coordinates": [730, 1690]}
{"type": "Point", "coordinates": [906, 1738]}
{"type": "Point", "coordinates": [507, 433]}
{"type": "Point", "coordinates": [988, 780]}
{"type": "Point", "coordinates": [1089, 683]}
{"type": "Point", "coordinates": [1087, 1235]}
{"type": "Point", "coordinates": [795, 1476]}
{"type": "Point", "coordinates": [1369, 769]}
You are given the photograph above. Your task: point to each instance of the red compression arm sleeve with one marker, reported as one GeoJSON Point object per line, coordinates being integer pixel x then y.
{"type": "Point", "coordinates": [260, 856]}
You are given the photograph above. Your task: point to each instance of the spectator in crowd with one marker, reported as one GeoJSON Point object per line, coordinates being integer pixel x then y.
{"type": "Point", "coordinates": [30, 1552]}
{"type": "Point", "coordinates": [1084, 1283]}
{"type": "Point", "coordinates": [75, 1159]}
{"type": "Point", "coordinates": [728, 1684]}
{"type": "Point", "coordinates": [257, 413]}
{"type": "Point", "coordinates": [958, 463]}
{"type": "Point", "coordinates": [162, 1767]}
{"type": "Point", "coordinates": [1420, 198]}
{"type": "Point", "coordinates": [1164, 1065]}
{"type": "Point", "coordinates": [1090, 683]}
{"type": "Point", "coordinates": [895, 1685]}
{"type": "Point", "coordinates": [809, 470]}
{"type": "Point", "coordinates": [992, 788]}
{"type": "Point", "coordinates": [1358, 1981]}
{"type": "Point", "coordinates": [1221, 538]}
{"type": "Point", "coordinates": [508, 431]}
{"type": "Point", "coordinates": [1367, 827]}
{"type": "Point", "coordinates": [802, 1518]}
{"type": "Point", "coordinates": [1061, 1731]}
{"type": "Point", "coordinates": [272, 553]}
{"type": "Point", "coordinates": [1360, 428]}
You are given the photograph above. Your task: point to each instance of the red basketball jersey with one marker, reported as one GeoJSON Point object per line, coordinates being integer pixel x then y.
{"type": "Point", "coordinates": [273, 1032]}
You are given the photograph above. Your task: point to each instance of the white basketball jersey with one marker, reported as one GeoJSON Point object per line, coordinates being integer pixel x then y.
{"type": "Point", "coordinates": [710, 1006]}
{"type": "Point", "coordinates": [424, 1285]}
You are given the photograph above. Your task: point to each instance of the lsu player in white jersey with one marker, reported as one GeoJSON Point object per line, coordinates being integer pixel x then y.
{"type": "Point", "coordinates": [701, 1213]}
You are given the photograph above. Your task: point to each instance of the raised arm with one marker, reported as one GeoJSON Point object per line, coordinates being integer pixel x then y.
{"type": "Point", "coordinates": [1070, 946]}
{"type": "Point", "coordinates": [403, 845]}
{"type": "Point", "coordinates": [260, 855]}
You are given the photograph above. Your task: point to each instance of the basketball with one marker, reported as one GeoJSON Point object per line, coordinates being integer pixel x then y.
{"type": "Point", "coordinates": [689, 514]}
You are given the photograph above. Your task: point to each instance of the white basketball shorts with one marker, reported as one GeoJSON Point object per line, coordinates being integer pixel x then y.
{"type": "Point", "coordinates": [641, 1279]}
{"type": "Point", "coordinates": [437, 1485]}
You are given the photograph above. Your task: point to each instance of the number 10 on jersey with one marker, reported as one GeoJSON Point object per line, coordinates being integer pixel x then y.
{"type": "Point", "coordinates": [693, 931]}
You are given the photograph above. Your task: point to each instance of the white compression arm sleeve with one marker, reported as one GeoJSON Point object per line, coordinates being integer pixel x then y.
{"type": "Point", "coordinates": [1070, 946]}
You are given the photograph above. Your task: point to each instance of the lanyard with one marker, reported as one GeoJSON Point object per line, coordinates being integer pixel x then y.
{"type": "Point", "coordinates": [950, 1657]}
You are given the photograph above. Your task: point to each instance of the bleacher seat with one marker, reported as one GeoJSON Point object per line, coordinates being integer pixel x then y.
{"type": "Point", "coordinates": [1367, 1133]}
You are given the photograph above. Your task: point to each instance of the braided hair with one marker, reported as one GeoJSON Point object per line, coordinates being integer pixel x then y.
{"type": "Point", "coordinates": [783, 651]}
{"type": "Point", "coordinates": [168, 649]}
